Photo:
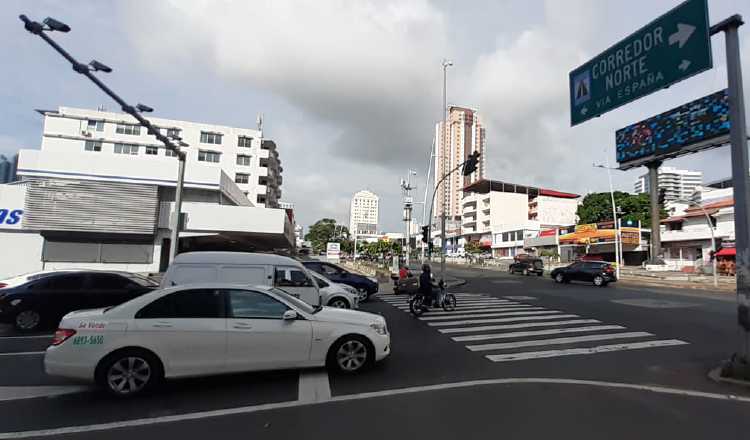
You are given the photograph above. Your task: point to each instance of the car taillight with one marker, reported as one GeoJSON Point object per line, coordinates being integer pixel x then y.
{"type": "Point", "coordinates": [3, 285]}
{"type": "Point", "coordinates": [62, 335]}
{"type": "Point", "coordinates": [609, 269]}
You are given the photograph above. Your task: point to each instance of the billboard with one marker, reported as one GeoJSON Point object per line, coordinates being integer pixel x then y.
{"type": "Point", "coordinates": [697, 125]}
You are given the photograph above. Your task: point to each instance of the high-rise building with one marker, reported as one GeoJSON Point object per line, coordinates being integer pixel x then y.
{"type": "Point", "coordinates": [8, 168]}
{"type": "Point", "coordinates": [677, 184]}
{"type": "Point", "coordinates": [464, 135]}
{"type": "Point", "coordinates": [242, 153]}
{"type": "Point", "coordinates": [363, 215]}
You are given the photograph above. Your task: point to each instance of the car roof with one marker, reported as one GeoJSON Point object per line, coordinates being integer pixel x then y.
{"type": "Point", "coordinates": [233, 258]}
{"type": "Point", "coordinates": [39, 274]}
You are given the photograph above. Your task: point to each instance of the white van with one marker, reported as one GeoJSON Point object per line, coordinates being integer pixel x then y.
{"type": "Point", "coordinates": [243, 268]}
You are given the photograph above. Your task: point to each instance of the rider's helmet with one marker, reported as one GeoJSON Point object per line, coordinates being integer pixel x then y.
{"type": "Point", "coordinates": [425, 268]}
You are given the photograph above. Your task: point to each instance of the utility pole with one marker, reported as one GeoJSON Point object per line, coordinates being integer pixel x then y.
{"type": "Point", "coordinates": [408, 203]}
{"type": "Point", "coordinates": [653, 182]}
{"type": "Point", "coordinates": [50, 24]}
{"type": "Point", "coordinates": [446, 141]}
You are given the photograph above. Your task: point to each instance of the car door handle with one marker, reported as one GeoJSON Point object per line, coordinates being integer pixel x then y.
{"type": "Point", "coordinates": [162, 325]}
{"type": "Point", "coordinates": [242, 325]}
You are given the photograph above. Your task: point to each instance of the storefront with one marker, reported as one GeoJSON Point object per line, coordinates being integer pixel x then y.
{"type": "Point", "coordinates": [598, 240]}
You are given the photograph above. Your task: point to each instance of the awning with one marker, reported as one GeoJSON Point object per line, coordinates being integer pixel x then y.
{"type": "Point", "coordinates": [591, 236]}
{"type": "Point", "coordinates": [726, 252]}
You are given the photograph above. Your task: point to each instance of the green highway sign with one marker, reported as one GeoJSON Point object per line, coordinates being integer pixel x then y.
{"type": "Point", "coordinates": [671, 48]}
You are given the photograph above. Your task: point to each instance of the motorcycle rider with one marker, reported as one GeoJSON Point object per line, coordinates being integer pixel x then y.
{"type": "Point", "coordinates": [427, 285]}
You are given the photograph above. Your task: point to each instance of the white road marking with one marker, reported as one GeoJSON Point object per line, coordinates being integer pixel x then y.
{"type": "Point", "coordinates": [471, 304]}
{"type": "Point", "coordinates": [514, 318]}
{"type": "Point", "coordinates": [314, 386]}
{"type": "Point", "coordinates": [528, 324]}
{"type": "Point", "coordinates": [483, 307]}
{"type": "Point", "coordinates": [577, 351]}
{"type": "Point", "coordinates": [593, 328]}
{"type": "Point", "coordinates": [521, 298]}
{"type": "Point", "coordinates": [23, 353]}
{"type": "Point", "coordinates": [473, 312]}
{"type": "Point", "coordinates": [490, 315]}
{"type": "Point", "coordinates": [371, 395]}
{"type": "Point", "coordinates": [18, 393]}
{"type": "Point", "coordinates": [557, 341]}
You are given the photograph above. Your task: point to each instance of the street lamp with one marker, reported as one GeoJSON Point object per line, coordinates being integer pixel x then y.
{"type": "Point", "coordinates": [713, 236]}
{"type": "Point", "coordinates": [446, 64]}
{"type": "Point", "coordinates": [50, 24]}
{"type": "Point", "coordinates": [618, 242]}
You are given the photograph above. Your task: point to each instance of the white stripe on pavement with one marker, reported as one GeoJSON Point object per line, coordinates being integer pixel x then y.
{"type": "Point", "coordinates": [23, 353]}
{"type": "Point", "coordinates": [593, 328]}
{"type": "Point", "coordinates": [313, 386]}
{"type": "Point", "coordinates": [473, 313]}
{"type": "Point", "coordinates": [471, 304]}
{"type": "Point", "coordinates": [533, 318]}
{"type": "Point", "coordinates": [557, 341]}
{"type": "Point", "coordinates": [489, 315]}
{"type": "Point", "coordinates": [577, 351]}
{"type": "Point", "coordinates": [482, 307]}
{"type": "Point", "coordinates": [529, 324]}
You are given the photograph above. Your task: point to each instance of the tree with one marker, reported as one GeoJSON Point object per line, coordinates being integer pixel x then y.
{"type": "Point", "coordinates": [597, 207]}
{"type": "Point", "coordinates": [473, 247]}
{"type": "Point", "coordinates": [323, 231]}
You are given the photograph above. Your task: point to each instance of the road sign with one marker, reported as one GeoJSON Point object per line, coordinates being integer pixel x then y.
{"type": "Point", "coordinates": [671, 48]}
{"type": "Point", "coordinates": [333, 251]}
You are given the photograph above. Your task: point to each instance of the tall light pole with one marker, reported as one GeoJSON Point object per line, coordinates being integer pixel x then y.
{"type": "Point", "coordinates": [408, 203]}
{"type": "Point", "coordinates": [446, 64]}
{"type": "Point", "coordinates": [50, 24]}
{"type": "Point", "coordinates": [424, 202]}
{"type": "Point", "coordinates": [614, 217]}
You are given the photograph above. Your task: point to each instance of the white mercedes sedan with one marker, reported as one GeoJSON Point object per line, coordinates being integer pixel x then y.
{"type": "Point", "coordinates": [205, 329]}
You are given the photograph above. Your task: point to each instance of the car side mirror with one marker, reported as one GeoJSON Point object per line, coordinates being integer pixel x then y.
{"type": "Point", "coordinates": [289, 315]}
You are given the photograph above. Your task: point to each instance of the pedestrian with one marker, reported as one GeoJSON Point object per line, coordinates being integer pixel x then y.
{"type": "Point", "coordinates": [403, 272]}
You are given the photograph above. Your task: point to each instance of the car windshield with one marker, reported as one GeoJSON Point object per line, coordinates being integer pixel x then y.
{"type": "Point", "coordinates": [296, 302]}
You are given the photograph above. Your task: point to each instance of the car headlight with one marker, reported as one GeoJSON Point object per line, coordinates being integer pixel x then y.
{"type": "Point", "coordinates": [379, 327]}
{"type": "Point", "coordinates": [15, 302]}
{"type": "Point", "coordinates": [373, 279]}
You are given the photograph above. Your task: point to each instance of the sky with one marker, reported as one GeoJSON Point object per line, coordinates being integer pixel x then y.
{"type": "Point", "coordinates": [350, 90]}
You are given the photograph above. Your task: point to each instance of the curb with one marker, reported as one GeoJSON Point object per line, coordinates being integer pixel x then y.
{"type": "Point", "coordinates": [715, 375]}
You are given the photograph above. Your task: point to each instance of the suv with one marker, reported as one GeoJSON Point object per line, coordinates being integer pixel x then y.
{"type": "Point", "coordinates": [600, 273]}
{"type": "Point", "coordinates": [366, 286]}
{"type": "Point", "coordinates": [527, 266]}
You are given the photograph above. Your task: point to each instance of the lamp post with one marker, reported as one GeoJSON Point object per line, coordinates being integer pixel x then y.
{"type": "Point", "coordinates": [618, 243]}
{"type": "Point", "coordinates": [50, 24]}
{"type": "Point", "coordinates": [446, 64]}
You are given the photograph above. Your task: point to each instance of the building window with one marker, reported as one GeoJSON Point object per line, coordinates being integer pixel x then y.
{"type": "Point", "coordinates": [243, 160]}
{"type": "Point", "coordinates": [152, 150]}
{"type": "Point", "coordinates": [244, 141]}
{"type": "Point", "coordinates": [126, 149]}
{"type": "Point", "coordinates": [169, 153]}
{"type": "Point", "coordinates": [93, 146]}
{"type": "Point", "coordinates": [173, 132]}
{"type": "Point", "coordinates": [210, 138]}
{"type": "Point", "coordinates": [241, 178]}
{"type": "Point", "coordinates": [95, 125]}
{"type": "Point", "coordinates": [209, 156]}
{"type": "Point", "coordinates": [128, 129]}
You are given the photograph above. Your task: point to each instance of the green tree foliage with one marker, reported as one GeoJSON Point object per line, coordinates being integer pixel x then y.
{"type": "Point", "coordinates": [326, 230]}
{"type": "Point", "coordinates": [473, 247]}
{"type": "Point", "coordinates": [597, 207]}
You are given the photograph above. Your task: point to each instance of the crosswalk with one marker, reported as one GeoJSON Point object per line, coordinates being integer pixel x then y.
{"type": "Point", "coordinates": [506, 330]}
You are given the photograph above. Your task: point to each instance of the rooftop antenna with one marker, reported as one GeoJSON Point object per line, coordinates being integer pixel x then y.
{"type": "Point", "coordinates": [101, 108]}
{"type": "Point", "coordinates": [260, 121]}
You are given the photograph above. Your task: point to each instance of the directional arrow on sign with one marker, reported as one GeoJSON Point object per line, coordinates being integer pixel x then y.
{"type": "Point", "coordinates": [684, 65]}
{"type": "Point", "coordinates": [684, 31]}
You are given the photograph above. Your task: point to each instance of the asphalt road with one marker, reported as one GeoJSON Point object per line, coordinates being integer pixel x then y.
{"type": "Point", "coordinates": [614, 362]}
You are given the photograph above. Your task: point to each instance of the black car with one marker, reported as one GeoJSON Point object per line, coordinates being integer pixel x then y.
{"type": "Point", "coordinates": [366, 286]}
{"type": "Point", "coordinates": [527, 266]}
{"type": "Point", "coordinates": [34, 301]}
{"type": "Point", "coordinates": [600, 273]}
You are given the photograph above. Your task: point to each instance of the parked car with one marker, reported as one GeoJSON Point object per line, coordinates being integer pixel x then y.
{"type": "Point", "coordinates": [210, 328]}
{"type": "Point", "coordinates": [366, 286]}
{"type": "Point", "coordinates": [600, 273]}
{"type": "Point", "coordinates": [243, 268]}
{"type": "Point", "coordinates": [334, 294]}
{"type": "Point", "coordinates": [38, 300]}
{"type": "Point", "coordinates": [527, 266]}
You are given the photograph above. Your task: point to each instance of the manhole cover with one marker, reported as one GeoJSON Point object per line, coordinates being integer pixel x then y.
{"type": "Point", "coordinates": [654, 303]}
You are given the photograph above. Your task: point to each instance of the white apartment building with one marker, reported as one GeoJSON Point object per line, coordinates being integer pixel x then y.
{"type": "Point", "coordinates": [251, 161]}
{"type": "Point", "coordinates": [502, 215]}
{"type": "Point", "coordinates": [363, 215]}
{"type": "Point", "coordinates": [464, 135]}
{"type": "Point", "coordinates": [678, 184]}
{"type": "Point", "coordinates": [106, 200]}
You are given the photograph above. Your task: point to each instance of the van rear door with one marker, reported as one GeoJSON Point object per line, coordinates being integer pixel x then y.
{"type": "Point", "coordinates": [296, 282]}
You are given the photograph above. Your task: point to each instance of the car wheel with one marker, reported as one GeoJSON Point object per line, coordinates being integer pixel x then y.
{"type": "Point", "coordinates": [339, 303]}
{"type": "Point", "coordinates": [599, 281]}
{"type": "Point", "coordinates": [129, 372]}
{"type": "Point", "coordinates": [351, 354]}
{"type": "Point", "coordinates": [449, 302]}
{"type": "Point", "coordinates": [364, 295]}
{"type": "Point", "coordinates": [27, 320]}
{"type": "Point", "coordinates": [416, 305]}
{"type": "Point", "coordinates": [560, 278]}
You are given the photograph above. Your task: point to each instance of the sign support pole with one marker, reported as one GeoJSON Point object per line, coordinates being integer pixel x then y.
{"type": "Point", "coordinates": [740, 173]}
{"type": "Point", "coordinates": [653, 182]}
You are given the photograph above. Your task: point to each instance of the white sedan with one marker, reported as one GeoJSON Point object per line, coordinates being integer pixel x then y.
{"type": "Point", "coordinates": [334, 294]}
{"type": "Point", "coordinates": [205, 329]}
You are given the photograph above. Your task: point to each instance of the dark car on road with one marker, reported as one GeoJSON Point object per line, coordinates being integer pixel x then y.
{"type": "Point", "coordinates": [600, 273]}
{"type": "Point", "coordinates": [38, 300]}
{"type": "Point", "coordinates": [366, 286]}
{"type": "Point", "coordinates": [527, 266]}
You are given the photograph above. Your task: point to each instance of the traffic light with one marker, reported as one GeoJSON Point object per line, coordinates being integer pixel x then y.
{"type": "Point", "coordinates": [471, 163]}
{"type": "Point", "coordinates": [662, 194]}
{"type": "Point", "coordinates": [426, 234]}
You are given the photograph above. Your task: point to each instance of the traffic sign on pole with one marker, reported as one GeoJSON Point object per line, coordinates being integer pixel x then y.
{"type": "Point", "coordinates": [671, 48]}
